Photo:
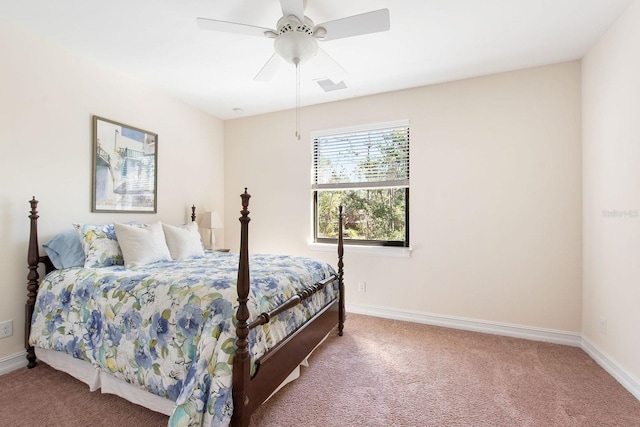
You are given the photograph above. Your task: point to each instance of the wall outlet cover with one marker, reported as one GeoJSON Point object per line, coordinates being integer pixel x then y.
{"type": "Point", "coordinates": [6, 329]}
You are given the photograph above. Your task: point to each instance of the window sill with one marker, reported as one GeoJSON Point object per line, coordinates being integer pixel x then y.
{"type": "Point", "coordinates": [388, 251]}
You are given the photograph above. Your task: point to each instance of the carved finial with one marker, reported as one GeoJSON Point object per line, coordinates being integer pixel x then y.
{"type": "Point", "coordinates": [34, 205]}
{"type": "Point", "coordinates": [193, 213]}
{"type": "Point", "coordinates": [245, 201]}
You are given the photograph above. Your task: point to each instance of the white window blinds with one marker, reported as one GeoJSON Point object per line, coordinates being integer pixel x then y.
{"type": "Point", "coordinates": [371, 157]}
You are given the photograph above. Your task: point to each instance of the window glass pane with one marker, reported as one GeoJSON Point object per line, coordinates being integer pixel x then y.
{"type": "Point", "coordinates": [366, 170]}
{"type": "Point", "coordinates": [368, 214]}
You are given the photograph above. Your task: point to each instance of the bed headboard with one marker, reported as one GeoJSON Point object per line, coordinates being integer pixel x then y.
{"type": "Point", "coordinates": [34, 259]}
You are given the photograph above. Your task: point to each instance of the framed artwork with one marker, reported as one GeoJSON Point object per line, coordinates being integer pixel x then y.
{"type": "Point", "coordinates": [125, 172]}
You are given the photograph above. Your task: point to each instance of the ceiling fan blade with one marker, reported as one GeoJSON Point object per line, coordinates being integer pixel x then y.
{"type": "Point", "coordinates": [328, 66]}
{"type": "Point", "coordinates": [232, 27]}
{"type": "Point", "coordinates": [365, 23]}
{"type": "Point", "coordinates": [293, 7]}
{"type": "Point", "coordinates": [269, 69]}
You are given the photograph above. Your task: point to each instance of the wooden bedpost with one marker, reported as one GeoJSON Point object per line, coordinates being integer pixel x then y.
{"type": "Point", "coordinates": [193, 213]}
{"type": "Point", "coordinates": [242, 361]}
{"type": "Point", "coordinates": [33, 260]}
{"type": "Point", "coordinates": [341, 309]}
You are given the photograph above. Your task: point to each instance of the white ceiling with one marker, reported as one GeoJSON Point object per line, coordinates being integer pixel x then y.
{"type": "Point", "coordinates": [430, 41]}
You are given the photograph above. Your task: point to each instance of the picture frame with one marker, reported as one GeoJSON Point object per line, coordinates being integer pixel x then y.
{"type": "Point", "coordinates": [125, 168]}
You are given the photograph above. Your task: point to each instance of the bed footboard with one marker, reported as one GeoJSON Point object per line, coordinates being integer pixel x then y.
{"type": "Point", "coordinates": [250, 392]}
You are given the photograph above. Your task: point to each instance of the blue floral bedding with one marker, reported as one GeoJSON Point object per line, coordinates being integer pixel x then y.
{"type": "Point", "coordinates": [169, 327]}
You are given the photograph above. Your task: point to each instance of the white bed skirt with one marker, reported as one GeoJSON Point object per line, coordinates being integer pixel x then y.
{"type": "Point", "coordinates": [104, 381]}
{"type": "Point", "coordinates": [107, 383]}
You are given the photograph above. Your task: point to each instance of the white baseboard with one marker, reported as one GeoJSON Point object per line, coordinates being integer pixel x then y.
{"type": "Point", "coordinates": [536, 334]}
{"type": "Point", "coordinates": [617, 371]}
{"type": "Point", "coordinates": [13, 362]}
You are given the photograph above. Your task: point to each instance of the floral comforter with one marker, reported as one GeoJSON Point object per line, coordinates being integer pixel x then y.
{"type": "Point", "coordinates": [169, 327]}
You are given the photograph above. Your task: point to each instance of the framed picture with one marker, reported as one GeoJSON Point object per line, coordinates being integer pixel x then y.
{"type": "Point", "coordinates": [125, 172]}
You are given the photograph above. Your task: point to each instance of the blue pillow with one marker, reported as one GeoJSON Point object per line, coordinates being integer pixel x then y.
{"type": "Point", "coordinates": [65, 250]}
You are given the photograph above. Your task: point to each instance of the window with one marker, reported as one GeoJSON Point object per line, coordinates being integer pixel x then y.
{"type": "Point", "coordinates": [366, 170]}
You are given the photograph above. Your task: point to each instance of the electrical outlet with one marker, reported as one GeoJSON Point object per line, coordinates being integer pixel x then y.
{"type": "Point", "coordinates": [6, 329]}
{"type": "Point", "coordinates": [603, 325]}
{"type": "Point", "coordinates": [362, 286]}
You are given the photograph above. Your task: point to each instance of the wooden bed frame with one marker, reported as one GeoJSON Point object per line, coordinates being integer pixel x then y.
{"type": "Point", "coordinates": [249, 392]}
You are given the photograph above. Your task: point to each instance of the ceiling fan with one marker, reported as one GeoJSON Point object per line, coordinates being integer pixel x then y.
{"type": "Point", "coordinates": [296, 36]}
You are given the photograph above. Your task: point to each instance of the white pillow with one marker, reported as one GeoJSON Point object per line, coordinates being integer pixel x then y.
{"type": "Point", "coordinates": [142, 245]}
{"type": "Point", "coordinates": [183, 241]}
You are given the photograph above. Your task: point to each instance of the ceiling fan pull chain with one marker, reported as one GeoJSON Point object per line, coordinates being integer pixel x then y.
{"type": "Point", "coordinates": [298, 100]}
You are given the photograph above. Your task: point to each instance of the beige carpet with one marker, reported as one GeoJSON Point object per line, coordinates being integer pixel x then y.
{"type": "Point", "coordinates": [390, 373]}
{"type": "Point", "coordinates": [380, 373]}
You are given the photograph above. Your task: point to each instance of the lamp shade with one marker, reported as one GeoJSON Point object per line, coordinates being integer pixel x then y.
{"type": "Point", "coordinates": [210, 220]}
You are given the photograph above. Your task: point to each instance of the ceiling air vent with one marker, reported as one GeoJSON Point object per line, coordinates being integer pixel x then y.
{"type": "Point", "coordinates": [329, 86]}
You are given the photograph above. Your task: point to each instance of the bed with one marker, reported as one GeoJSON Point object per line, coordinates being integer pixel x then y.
{"type": "Point", "coordinates": [198, 338]}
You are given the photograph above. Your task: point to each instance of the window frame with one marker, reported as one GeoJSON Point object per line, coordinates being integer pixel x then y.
{"type": "Point", "coordinates": [349, 186]}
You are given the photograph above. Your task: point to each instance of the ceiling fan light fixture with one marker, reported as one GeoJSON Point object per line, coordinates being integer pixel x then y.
{"type": "Point", "coordinates": [296, 47]}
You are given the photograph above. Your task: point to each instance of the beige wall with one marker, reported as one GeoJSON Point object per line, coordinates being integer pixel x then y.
{"type": "Point", "coordinates": [47, 98]}
{"type": "Point", "coordinates": [496, 201]}
{"type": "Point", "coordinates": [611, 141]}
